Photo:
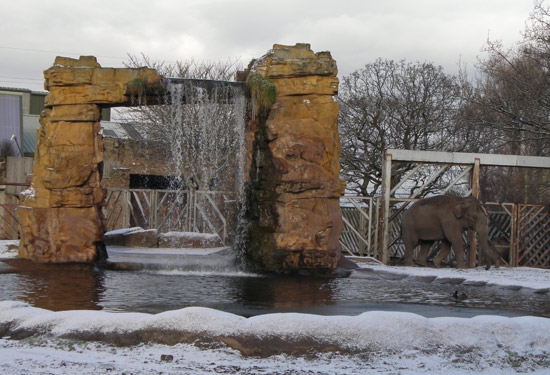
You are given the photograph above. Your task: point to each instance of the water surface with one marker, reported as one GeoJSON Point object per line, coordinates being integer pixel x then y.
{"type": "Point", "coordinates": [154, 290]}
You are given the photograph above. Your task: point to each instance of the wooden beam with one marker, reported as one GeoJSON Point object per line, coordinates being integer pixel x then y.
{"type": "Point", "coordinates": [463, 158]}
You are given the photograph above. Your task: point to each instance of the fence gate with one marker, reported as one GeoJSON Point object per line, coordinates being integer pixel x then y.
{"type": "Point", "coordinates": [357, 237]}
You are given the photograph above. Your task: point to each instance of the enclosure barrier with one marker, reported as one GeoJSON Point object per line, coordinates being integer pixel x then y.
{"type": "Point", "coordinates": [520, 233]}
{"type": "Point", "coordinates": [171, 210]}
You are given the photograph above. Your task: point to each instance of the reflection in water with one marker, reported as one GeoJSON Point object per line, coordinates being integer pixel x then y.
{"type": "Point", "coordinates": [69, 287]}
{"type": "Point", "coordinates": [53, 286]}
{"type": "Point", "coordinates": [281, 293]}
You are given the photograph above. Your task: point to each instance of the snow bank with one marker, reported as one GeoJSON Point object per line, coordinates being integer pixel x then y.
{"type": "Point", "coordinates": [196, 235]}
{"type": "Point", "coordinates": [518, 277]}
{"type": "Point", "coordinates": [273, 334]}
{"type": "Point", "coordinates": [125, 231]}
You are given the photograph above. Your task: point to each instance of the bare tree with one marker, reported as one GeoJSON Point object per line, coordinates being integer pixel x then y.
{"type": "Point", "coordinates": [198, 123]}
{"type": "Point", "coordinates": [511, 99]}
{"type": "Point", "coordinates": [389, 104]}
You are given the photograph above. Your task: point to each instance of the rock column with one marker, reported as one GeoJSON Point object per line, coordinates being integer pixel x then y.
{"type": "Point", "coordinates": [294, 200]}
{"type": "Point", "coordinates": [60, 217]}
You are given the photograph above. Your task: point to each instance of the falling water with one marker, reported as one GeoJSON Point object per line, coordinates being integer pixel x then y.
{"type": "Point", "coordinates": [205, 134]}
{"type": "Point", "coordinates": [206, 125]}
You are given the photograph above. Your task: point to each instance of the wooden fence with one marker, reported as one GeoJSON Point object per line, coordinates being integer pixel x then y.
{"type": "Point", "coordinates": [521, 232]}
{"type": "Point", "coordinates": [171, 210]}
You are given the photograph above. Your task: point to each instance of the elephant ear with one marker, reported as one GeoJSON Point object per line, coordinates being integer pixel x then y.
{"type": "Point", "coordinates": [458, 210]}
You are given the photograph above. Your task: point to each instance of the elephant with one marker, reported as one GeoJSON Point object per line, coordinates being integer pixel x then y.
{"type": "Point", "coordinates": [444, 218]}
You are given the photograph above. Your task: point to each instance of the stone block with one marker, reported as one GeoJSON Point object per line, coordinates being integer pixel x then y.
{"type": "Point", "coordinates": [133, 237]}
{"type": "Point", "coordinates": [67, 153]}
{"type": "Point", "coordinates": [59, 235]}
{"type": "Point", "coordinates": [112, 95]}
{"type": "Point", "coordinates": [67, 76]}
{"type": "Point", "coordinates": [82, 61]}
{"type": "Point", "coordinates": [75, 113]}
{"type": "Point", "coordinates": [41, 197]}
{"type": "Point", "coordinates": [124, 76]}
{"type": "Point", "coordinates": [309, 224]}
{"type": "Point", "coordinates": [307, 85]}
{"type": "Point", "coordinates": [296, 222]}
{"type": "Point", "coordinates": [295, 61]}
{"type": "Point", "coordinates": [60, 216]}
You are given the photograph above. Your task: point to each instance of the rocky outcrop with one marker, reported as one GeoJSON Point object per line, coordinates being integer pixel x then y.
{"type": "Point", "coordinates": [294, 212]}
{"type": "Point", "coordinates": [132, 237]}
{"type": "Point", "coordinates": [60, 217]}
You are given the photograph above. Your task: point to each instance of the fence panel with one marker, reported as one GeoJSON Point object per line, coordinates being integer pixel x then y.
{"type": "Point", "coordinates": [501, 231]}
{"type": "Point", "coordinates": [8, 217]}
{"type": "Point", "coordinates": [18, 170]}
{"type": "Point", "coordinates": [519, 233]}
{"type": "Point", "coordinates": [114, 210]}
{"type": "Point", "coordinates": [533, 235]}
{"type": "Point", "coordinates": [169, 210]}
{"type": "Point", "coordinates": [358, 235]}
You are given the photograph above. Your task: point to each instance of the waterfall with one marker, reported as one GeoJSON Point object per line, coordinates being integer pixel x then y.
{"type": "Point", "coordinates": [204, 131]}
{"type": "Point", "coordinates": [205, 128]}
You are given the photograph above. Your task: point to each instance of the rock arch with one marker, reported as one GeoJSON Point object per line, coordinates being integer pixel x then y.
{"type": "Point", "coordinates": [294, 189]}
{"type": "Point", "coordinates": [60, 217]}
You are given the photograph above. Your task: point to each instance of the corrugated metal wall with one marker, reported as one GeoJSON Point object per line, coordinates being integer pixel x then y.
{"type": "Point", "coordinates": [11, 119]}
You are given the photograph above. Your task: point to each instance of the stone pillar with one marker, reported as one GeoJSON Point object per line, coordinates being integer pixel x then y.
{"type": "Point", "coordinates": [60, 217]}
{"type": "Point", "coordinates": [295, 188]}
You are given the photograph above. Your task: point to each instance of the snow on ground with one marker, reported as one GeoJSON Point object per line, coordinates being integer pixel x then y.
{"type": "Point", "coordinates": [8, 248]}
{"type": "Point", "coordinates": [210, 341]}
{"type": "Point", "coordinates": [204, 341]}
{"type": "Point", "coordinates": [525, 277]}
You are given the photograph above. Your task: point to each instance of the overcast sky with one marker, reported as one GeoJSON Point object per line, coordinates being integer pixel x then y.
{"type": "Point", "coordinates": [356, 32]}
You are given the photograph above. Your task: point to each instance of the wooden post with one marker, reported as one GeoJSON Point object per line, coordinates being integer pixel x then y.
{"type": "Point", "coordinates": [126, 203]}
{"type": "Point", "coordinates": [383, 251]}
{"type": "Point", "coordinates": [515, 236]}
{"type": "Point", "coordinates": [472, 238]}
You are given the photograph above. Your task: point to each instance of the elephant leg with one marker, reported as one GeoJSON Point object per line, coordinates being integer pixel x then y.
{"type": "Point", "coordinates": [443, 253]}
{"type": "Point", "coordinates": [454, 236]}
{"type": "Point", "coordinates": [458, 247]}
{"type": "Point", "coordinates": [409, 250]}
{"type": "Point", "coordinates": [410, 241]}
{"type": "Point", "coordinates": [422, 257]}
{"type": "Point", "coordinates": [490, 258]}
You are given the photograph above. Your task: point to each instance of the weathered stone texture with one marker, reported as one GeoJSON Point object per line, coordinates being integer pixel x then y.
{"type": "Point", "coordinates": [138, 238]}
{"type": "Point", "coordinates": [59, 234]}
{"type": "Point", "coordinates": [60, 215]}
{"type": "Point", "coordinates": [296, 189]}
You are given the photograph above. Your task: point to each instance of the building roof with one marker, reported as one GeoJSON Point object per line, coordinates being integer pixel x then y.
{"type": "Point", "coordinates": [29, 91]}
{"type": "Point", "coordinates": [119, 130]}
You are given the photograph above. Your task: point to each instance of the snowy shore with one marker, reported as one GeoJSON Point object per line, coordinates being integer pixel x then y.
{"type": "Point", "coordinates": [199, 340]}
